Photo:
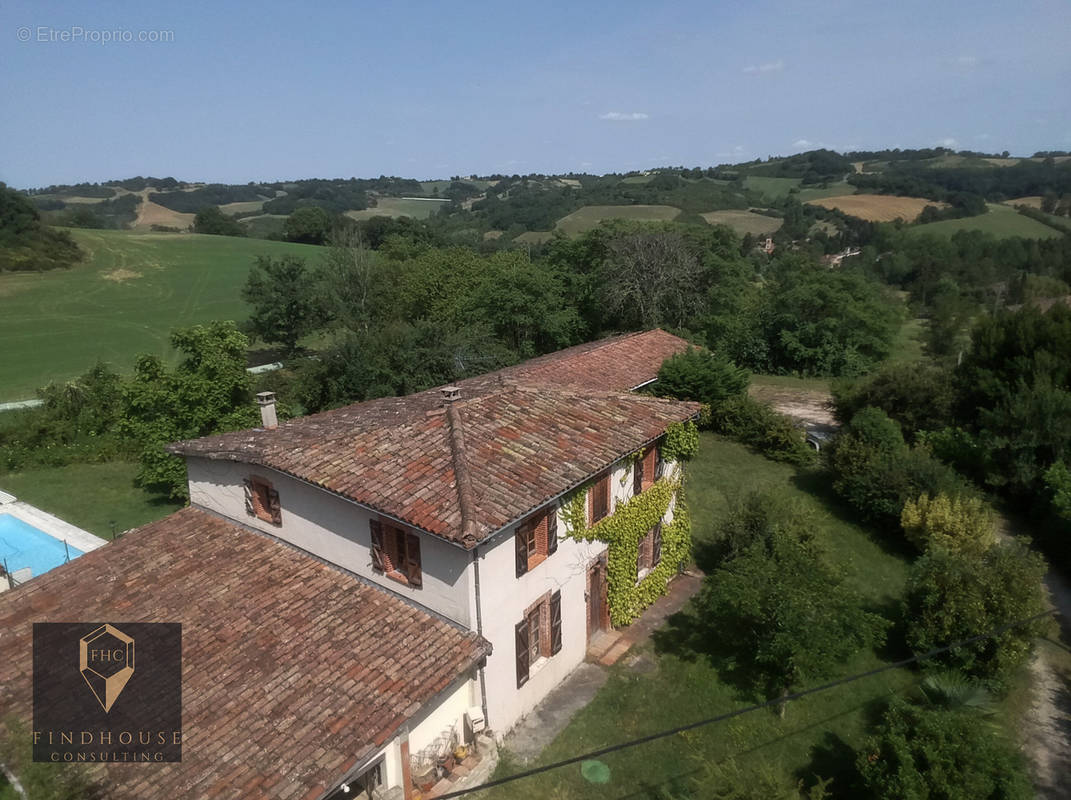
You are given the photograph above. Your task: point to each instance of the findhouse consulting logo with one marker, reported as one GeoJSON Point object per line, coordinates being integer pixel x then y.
{"type": "Point", "coordinates": [95, 701]}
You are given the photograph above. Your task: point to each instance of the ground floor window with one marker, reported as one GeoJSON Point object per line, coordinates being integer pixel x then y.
{"type": "Point", "coordinates": [538, 634]}
{"type": "Point", "coordinates": [649, 552]}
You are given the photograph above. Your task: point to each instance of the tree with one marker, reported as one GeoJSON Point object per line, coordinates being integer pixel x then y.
{"type": "Point", "coordinates": [699, 375]}
{"type": "Point", "coordinates": [952, 524]}
{"type": "Point", "coordinates": [309, 225]}
{"type": "Point", "coordinates": [349, 278]}
{"type": "Point", "coordinates": [285, 303]}
{"type": "Point", "coordinates": [920, 753]}
{"type": "Point", "coordinates": [212, 221]}
{"type": "Point", "coordinates": [919, 396]}
{"type": "Point", "coordinates": [208, 392]}
{"type": "Point", "coordinates": [787, 616]}
{"type": "Point", "coordinates": [26, 243]}
{"type": "Point", "coordinates": [955, 596]}
{"type": "Point", "coordinates": [41, 780]}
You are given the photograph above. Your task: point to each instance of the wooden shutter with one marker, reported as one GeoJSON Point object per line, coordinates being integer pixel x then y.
{"type": "Point", "coordinates": [521, 632]}
{"type": "Point", "coordinates": [555, 622]}
{"type": "Point", "coordinates": [637, 475]}
{"type": "Point", "coordinates": [521, 542]}
{"type": "Point", "coordinates": [552, 531]}
{"type": "Point", "coordinates": [247, 490]}
{"type": "Point", "coordinates": [274, 507]}
{"type": "Point", "coordinates": [412, 560]}
{"type": "Point", "coordinates": [660, 465]}
{"type": "Point", "coordinates": [377, 544]}
{"type": "Point", "coordinates": [656, 545]}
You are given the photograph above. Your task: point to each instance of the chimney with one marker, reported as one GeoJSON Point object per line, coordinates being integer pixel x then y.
{"type": "Point", "coordinates": [266, 401]}
{"type": "Point", "coordinates": [450, 394]}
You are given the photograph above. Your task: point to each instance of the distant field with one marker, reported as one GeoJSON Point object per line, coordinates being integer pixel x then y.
{"type": "Point", "coordinates": [744, 221]}
{"type": "Point", "coordinates": [263, 225]}
{"type": "Point", "coordinates": [637, 179]}
{"type": "Point", "coordinates": [399, 207]}
{"type": "Point", "coordinates": [588, 217]}
{"type": "Point", "coordinates": [1002, 162]}
{"type": "Point", "coordinates": [877, 207]}
{"type": "Point", "coordinates": [1001, 221]}
{"type": "Point", "coordinates": [150, 213]}
{"type": "Point", "coordinates": [534, 237]}
{"type": "Point", "coordinates": [838, 189]}
{"type": "Point", "coordinates": [430, 187]}
{"type": "Point", "coordinates": [1031, 200]}
{"type": "Point", "coordinates": [123, 300]}
{"type": "Point", "coordinates": [243, 207]}
{"type": "Point", "coordinates": [773, 188]}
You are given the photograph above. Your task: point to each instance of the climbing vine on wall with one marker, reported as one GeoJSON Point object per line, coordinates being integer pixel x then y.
{"type": "Point", "coordinates": [681, 442]}
{"type": "Point", "coordinates": [622, 531]}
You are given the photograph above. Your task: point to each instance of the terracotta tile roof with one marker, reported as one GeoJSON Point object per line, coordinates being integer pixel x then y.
{"type": "Point", "coordinates": [523, 445]}
{"type": "Point", "coordinates": [288, 679]}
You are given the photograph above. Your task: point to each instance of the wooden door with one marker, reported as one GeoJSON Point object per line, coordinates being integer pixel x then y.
{"type": "Point", "coordinates": [598, 611]}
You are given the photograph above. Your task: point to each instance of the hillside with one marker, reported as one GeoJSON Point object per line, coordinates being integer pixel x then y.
{"type": "Point", "coordinates": [124, 299]}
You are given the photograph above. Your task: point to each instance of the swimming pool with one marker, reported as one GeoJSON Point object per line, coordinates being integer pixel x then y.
{"type": "Point", "coordinates": [23, 545]}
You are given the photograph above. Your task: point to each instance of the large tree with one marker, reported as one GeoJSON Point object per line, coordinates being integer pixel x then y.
{"type": "Point", "coordinates": [309, 225]}
{"type": "Point", "coordinates": [286, 305]}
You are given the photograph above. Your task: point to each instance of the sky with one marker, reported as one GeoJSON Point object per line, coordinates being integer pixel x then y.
{"type": "Point", "coordinates": [237, 92]}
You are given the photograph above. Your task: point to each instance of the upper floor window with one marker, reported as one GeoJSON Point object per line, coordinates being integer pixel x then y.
{"type": "Point", "coordinates": [396, 553]}
{"type": "Point", "coordinates": [536, 538]}
{"type": "Point", "coordinates": [261, 500]}
{"type": "Point", "coordinates": [646, 469]}
{"type": "Point", "coordinates": [599, 499]}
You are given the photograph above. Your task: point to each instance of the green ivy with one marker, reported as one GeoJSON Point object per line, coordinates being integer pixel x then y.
{"type": "Point", "coordinates": [681, 442]}
{"type": "Point", "coordinates": [622, 531]}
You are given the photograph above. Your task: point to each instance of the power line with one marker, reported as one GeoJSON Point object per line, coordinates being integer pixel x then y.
{"type": "Point", "coordinates": [746, 710]}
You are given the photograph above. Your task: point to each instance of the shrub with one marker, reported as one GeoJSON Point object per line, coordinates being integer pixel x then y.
{"type": "Point", "coordinates": [953, 524]}
{"type": "Point", "coordinates": [755, 519]}
{"type": "Point", "coordinates": [921, 753]}
{"type": "Point", "coordinates": [917, 396]}
{"type": "Point", "coordinates": [759, 426]}
{"type": "Point", "coordinates": [698, 374]}
{"type": "Point", "coordinates": [955, 596]}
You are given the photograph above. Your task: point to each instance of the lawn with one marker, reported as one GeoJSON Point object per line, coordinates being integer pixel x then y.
{"type": "Point", "coordinates": [671, 685]}
{"type": "Point", "coordinates": [1001, 221]}
{"type": "Point", "coordinates": [98, 498]}
{"type": "Point", "coordinates": [588, 217]}
{"type": "Point", "coordinates": [132, 290]}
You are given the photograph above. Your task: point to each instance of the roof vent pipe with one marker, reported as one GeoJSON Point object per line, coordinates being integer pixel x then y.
{"type": "Point", "coordinates": [266, 401]}
{"type": "Point", "coordinates": [450, 394]}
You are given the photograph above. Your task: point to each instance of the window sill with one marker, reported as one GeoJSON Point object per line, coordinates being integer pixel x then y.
{"type": "Point", "coordinates": [538, 665]}
{"type": "Point", "coordinates": [536, 560]}
{"type": "Point", "coordinates": [641, 574]}
{"type": "Point", "coordinates": [394, 575]}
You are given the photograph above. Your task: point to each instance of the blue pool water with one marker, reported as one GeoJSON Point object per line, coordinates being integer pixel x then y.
{"type": "Point", "coordinates": [23, 545]}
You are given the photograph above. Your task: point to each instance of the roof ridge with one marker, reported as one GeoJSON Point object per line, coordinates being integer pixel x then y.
{"type": "Point", "coordinates": [462, 479]}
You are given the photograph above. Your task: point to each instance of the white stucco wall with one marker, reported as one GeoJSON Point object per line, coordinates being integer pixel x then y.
{"type": "Point", "coordinates": [445, 714]}
{"type": "Point", "coordinates": [334, 529]}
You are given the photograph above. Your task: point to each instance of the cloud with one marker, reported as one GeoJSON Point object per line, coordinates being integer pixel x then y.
{"type": "Point", "coordinates": [623, 116]}
{"type": "Point", "coordinates": [802, 144]}
{"type": "Point", "coordinates": [948, 141]}
{"type": "Point", "coordinates": [765, 69]}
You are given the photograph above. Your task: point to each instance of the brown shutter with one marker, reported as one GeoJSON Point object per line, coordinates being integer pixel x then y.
{"type": "Point", "coordinates": [274, 507]}
{"type": "Point", "coordinates": [522, 652]}
{"type": "Point", "coordinates": [660, 465]}
{"type": "Point", "coordinates": [555, 622]}
{"type": "Point", "coordinates": [521, 544]}
{"type": "Point", "coordinates": [377, 544]}
{"type": "Point", "coordinates": [247, 490]}
{"type": "Point", "coordinates": [412, 560]}
{"type": "Point", "coordinates": [637, 475]}
{"type": "Point", "coordinates": [552, 531]}
{"type": "Point", "coordinates": [656, 545]}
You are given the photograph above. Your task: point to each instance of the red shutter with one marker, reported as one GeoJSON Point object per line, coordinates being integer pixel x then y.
{"type": "Point", "coordinates": [555, 622]}
{"type": "Point", "coordinates": [274, 507]}
{"type": "Point", "coordinates": [552, 531]}
{"type": "Point", "coordinates": [377, 544]}
{"type": "Point", "coordinates": [521, 632]}
{"type": "Point", "coordinates": [656, 545]}
{"type": "Point", "coordinates": [412, 560]}
{"type": "Point", "coordinates": [247, 490]}
{"type": "Point", "coordinates": [520, 539]}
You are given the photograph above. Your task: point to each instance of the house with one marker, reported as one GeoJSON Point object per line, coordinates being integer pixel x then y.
{"type": "Point", "coordinates": [509, 519]}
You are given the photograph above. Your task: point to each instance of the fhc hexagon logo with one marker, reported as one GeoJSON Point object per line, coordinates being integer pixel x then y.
{"type": "Point", "coordinates": [106, 661]}
{"type": "Point", "coordinates": [107, 691]}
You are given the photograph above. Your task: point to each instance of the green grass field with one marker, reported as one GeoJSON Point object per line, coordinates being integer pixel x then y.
{"type": "Point", "coordinates": [98, 498]}
{"type": "Point", "coordinates": [399, 207]}
{"type": "Point", "coordinates": [838, 189]}
{"type": "Point", "coordinates": [773, 188]}
{"type": "Point", "coordinates": [588, 217]}
{"type": "Point", "coordinates": [1000, 221]}
{"type": "Point", "coordinates": [744, 221]}
{"type": "Point", "coordinates": [677, 686]}
{"type": "Point", "coordinates": [123, 300]}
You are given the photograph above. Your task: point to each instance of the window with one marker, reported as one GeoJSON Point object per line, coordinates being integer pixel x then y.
{"type": "Point", "coordinates": [649, 552]}
{"type": "Point", "coordinates": [646, 470]}
{"type": "Point", "coordinates": [396, 553]}
{"type": "Point", "coordinates": [538, 634]}
{"type": "Point", "coordinates": [262, 501]}
{"type": "Point", "coordinates": [599, 499]}
{"type": "Point", "coordinates": [537, 538]}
